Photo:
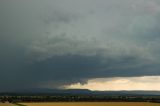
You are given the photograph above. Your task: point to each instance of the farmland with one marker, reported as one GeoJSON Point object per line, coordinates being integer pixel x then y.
{"type": "Point", "coordinates": [80, 99]}
{"type": "Point", "coordinates": [6, 104]}
{"type": "Point", "coordinates": [92, 104]}
{"type": "Point", "coordinates": [82, 104]}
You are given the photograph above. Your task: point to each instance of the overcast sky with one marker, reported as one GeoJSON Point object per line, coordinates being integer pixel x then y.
{"type": "Point", "coordinates": [54, 43]}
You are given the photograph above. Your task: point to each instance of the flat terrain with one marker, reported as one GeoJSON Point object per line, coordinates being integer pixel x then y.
{"type": "Point", "coordinates": [93, 104]}
{"type": "Point", "coordinates": [6, 104]}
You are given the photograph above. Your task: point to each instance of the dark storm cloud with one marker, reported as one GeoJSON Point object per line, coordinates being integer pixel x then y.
{"type": "Point", "coordinates": [61, 42]}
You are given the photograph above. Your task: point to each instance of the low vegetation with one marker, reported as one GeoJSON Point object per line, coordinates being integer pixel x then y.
{"type": "Point", "coordinates": [78, 98]}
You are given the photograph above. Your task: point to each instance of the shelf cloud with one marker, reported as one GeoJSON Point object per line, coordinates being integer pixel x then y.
{"type": "Point", "coordinates": [61, 42]}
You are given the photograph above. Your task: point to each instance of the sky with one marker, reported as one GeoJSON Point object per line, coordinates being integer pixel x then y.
{"type": "Point", "coordinates": [79, 44]}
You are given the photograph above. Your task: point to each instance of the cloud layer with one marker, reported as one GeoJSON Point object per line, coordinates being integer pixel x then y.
{"type": "Point", "coordinates": [63, 42]}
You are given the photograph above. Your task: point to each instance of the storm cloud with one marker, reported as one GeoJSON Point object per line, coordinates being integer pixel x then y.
{"type": "Point", "coordinates": [61, 42]}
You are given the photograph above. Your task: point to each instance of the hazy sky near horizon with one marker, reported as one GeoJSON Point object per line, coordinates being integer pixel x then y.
{"type": "Point", "coordinates": [65, 42]}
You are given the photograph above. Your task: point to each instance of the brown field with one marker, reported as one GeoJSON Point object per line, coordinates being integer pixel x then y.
{"type": "Point", "coordinates": [6, 104]}
{"type": "Point", "coordinates": [93, 104]}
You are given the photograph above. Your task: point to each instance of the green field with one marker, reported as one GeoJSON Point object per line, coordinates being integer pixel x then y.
{"type": "Point", "coordinates": [93, 104]}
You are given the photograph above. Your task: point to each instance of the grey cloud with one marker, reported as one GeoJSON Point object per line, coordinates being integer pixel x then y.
{"type": "Point", "coordinates": [63, 42]}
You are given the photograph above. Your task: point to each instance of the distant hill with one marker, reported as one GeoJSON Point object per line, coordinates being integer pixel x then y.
{"type": "Point", "coordinates": [79, 92]}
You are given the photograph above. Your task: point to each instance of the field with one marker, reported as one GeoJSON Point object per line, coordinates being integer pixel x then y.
{"type": "Point", "coordinates": [92, 104]}
{"type": "Point", "coordinates": [6, 104]}
{"type": "Point", "coordinates": [84, 104]}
